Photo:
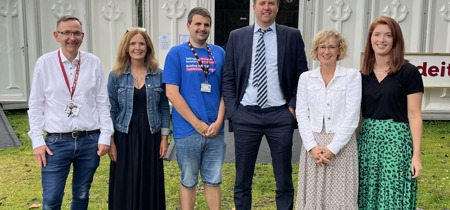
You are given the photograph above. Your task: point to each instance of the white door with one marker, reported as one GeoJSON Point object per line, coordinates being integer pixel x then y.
{"type": "Point", "coordinates": [13, 82]}
{"type": "Point", "coordinates": [25, 36]}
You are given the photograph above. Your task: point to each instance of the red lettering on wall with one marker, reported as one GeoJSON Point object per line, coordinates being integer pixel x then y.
{"type": "Point", "coordinates": [448, 69]}
{"type": "Point", "coordinates": [443, 69]}
{"type": "Point", "coordinates": [423, 69]}
{"type": "Point", "coordinates": [434, 71]}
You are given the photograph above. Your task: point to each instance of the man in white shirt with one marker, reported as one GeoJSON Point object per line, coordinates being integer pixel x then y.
{"type": "Point", "coordinates": [69, 101]}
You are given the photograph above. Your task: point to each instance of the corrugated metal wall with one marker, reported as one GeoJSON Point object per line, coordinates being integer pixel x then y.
{"type": "Point", "coordinates": [29, 25]}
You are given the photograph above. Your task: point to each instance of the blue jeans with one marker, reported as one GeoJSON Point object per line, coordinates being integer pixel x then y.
{"type": "Point", "coordinates": [196, 153]}
{"type": "Point", "coordinates": [82, 153]}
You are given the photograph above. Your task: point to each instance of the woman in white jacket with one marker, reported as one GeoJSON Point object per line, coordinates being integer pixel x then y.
{"type": "Point", "coordinates": [328, 106]}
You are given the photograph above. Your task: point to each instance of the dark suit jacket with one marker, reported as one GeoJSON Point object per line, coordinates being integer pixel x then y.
{"type": "Point", "coordinates": [238, 59]}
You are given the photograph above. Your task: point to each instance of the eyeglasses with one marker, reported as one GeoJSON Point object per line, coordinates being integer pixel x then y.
{"type": "Point", "coordinates": [136, 29]}
{"type": "Point", "coordinates": [329, 47]}
{"type": "Point", "coordinates": [70, 33]}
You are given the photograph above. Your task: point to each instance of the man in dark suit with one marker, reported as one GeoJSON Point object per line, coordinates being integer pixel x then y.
{"type": "Point", "coordinates": [262, 66]}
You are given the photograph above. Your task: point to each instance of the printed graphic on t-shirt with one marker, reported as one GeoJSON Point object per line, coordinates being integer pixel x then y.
{"type": "Point", "coordinates": [192, 64]}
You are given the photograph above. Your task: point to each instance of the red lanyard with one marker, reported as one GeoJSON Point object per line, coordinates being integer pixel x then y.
{"type": "Point", "coordinates": [74, 86]}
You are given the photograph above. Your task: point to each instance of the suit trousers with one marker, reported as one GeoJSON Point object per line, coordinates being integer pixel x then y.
{"type": "Point", "coordinates": [250, 124]}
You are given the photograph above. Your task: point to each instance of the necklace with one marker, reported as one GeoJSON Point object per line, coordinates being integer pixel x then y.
{"type": "Point", "coordinates": [386, 71]}
{"type": "Point", "coordinates": [138, 78]}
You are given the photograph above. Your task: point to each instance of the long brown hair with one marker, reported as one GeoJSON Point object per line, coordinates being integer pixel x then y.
{"type": "Point", "coordinates": [123, 58]}
{"type": "Point", "coordinates": [397, 53]}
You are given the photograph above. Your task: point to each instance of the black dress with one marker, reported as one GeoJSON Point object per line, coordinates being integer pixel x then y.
{"type": "Point", "coordinates": [137, 178]}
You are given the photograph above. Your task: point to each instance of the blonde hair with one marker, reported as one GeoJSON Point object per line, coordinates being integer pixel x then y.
{"type": "Point", "coordinates": [123, 58]}
{"type": "Point", "coordinates": [323, 36]}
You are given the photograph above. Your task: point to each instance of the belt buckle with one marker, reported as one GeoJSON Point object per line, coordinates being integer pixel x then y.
{"type": "Point", "coordinates": [75, 134]}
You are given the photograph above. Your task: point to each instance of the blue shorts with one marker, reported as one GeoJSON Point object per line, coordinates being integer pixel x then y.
{"type": "Point", "coordinates": [196, 153]}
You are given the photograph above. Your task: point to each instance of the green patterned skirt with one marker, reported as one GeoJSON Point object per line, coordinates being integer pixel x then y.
{"type": "Point", "coordinates": [385, 151]}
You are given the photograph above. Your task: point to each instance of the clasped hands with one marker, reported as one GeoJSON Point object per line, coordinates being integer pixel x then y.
{"type": "Point", "coordinates": [322, 155]}
{"type": "Point", "coordinates": [207, 131]}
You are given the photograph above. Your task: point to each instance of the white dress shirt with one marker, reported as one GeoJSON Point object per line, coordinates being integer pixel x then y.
{"type": "Point", "coordinates": [50, 96]}
{"type": "Point", "coordinates": [274, 94]}
{"type": "Point", "coordinates": [338, 105]}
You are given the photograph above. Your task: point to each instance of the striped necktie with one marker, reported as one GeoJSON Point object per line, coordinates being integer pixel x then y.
{"type": "Point", "coordinates": [260, 73]}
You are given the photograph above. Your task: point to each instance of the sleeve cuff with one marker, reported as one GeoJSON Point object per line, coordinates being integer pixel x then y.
{"type": "Point", "coordinates": [333, 148]}
{"type": "Point", "coordinates": [104, 139]}
{"type": "Point", "coordinates": [38, 141]}
{"type": "Point", "coordinates": [165, 131]}
{"type": "Point", "coordinates": [308, 147]}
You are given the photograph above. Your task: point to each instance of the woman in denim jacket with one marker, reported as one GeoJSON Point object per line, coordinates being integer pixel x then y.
{"type": "Point", "coordinates": [328, 103]}
{"type": "Point", "coordinates": [140, 113]}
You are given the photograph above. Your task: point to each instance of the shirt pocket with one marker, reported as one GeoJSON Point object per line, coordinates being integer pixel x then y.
{"type": "Point", "coordinates": [157, 91]}
{"type": "Point", "coordinates": [121, 95]}
{"type": "Point", "coordinates": [338, 94]}
{"type": "Point", "coordinates": [313, 93]}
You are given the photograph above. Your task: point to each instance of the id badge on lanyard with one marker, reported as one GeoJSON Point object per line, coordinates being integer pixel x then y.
{"type": "Point", "coordinates": [205, 86]}
{"type": "Point", "coordinates": [71, 109]}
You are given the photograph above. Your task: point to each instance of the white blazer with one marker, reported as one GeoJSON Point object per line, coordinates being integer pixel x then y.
{"type": "Point", "coordinates": [338, 105]}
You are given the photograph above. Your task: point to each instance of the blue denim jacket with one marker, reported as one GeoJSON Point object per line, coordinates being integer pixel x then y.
{"type": "Point", "coordinates": [121, 91]}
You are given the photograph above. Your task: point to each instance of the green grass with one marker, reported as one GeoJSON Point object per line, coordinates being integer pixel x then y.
{"type": "Point", "coordinates": [434, 184]}
{"type": "Point", "coordinates": [20, 177]}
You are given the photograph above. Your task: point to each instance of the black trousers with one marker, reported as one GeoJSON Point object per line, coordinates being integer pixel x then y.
{"type": "Point", "coordinates": [250, 124]}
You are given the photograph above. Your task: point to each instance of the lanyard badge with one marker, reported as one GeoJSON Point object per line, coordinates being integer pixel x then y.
{"type": "Point", "coordinates": [71, 109]}
{"type": "Point", "coordinates": [205, 87]}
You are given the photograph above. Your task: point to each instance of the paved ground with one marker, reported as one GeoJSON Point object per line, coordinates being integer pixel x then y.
{"type": "Point", "coordinates": [263, 154]}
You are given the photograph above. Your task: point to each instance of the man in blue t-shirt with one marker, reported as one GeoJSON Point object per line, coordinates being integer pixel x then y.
{"type": "Point", "coordinates": [193, 77]}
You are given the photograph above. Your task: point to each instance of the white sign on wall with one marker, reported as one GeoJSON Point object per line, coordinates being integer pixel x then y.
{"type": "Point", "coordinates": [434, 68]}
{"type": "Point", "coordinates": [183, 38]}
{"type": "Point", "coordinates": [164, 41]}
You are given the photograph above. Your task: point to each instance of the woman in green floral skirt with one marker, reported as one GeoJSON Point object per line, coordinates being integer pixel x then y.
{"type": "Point", "coordinates": [391, 131]}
